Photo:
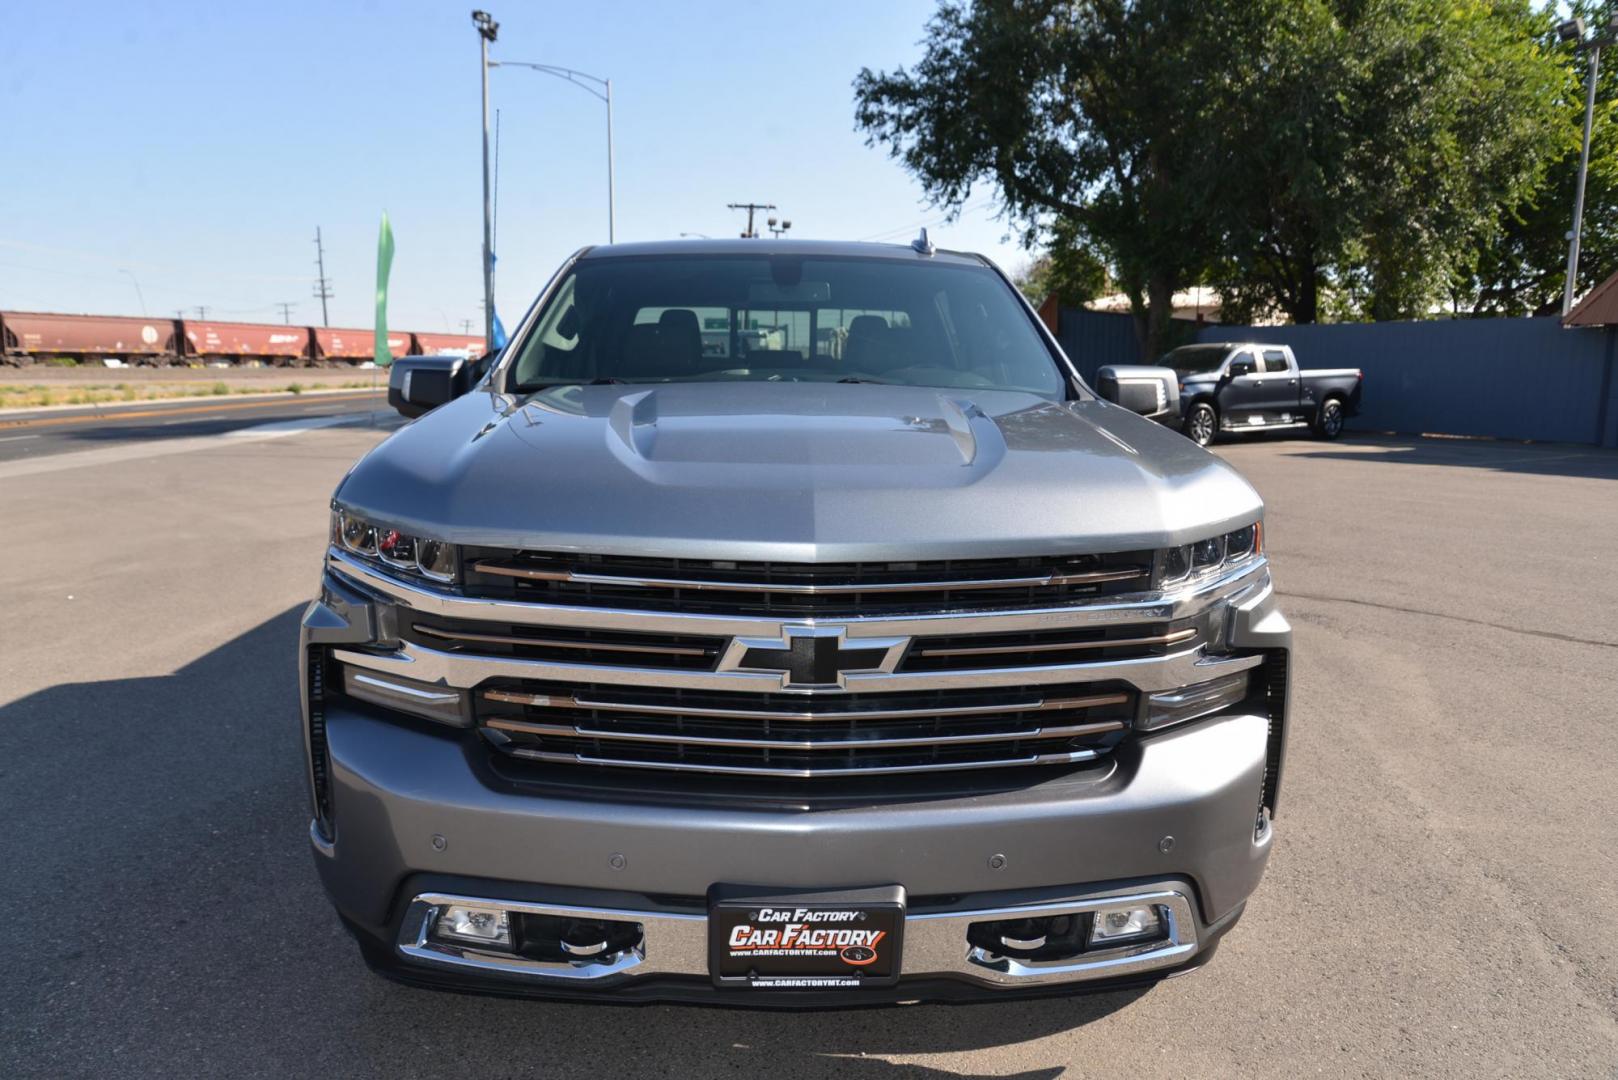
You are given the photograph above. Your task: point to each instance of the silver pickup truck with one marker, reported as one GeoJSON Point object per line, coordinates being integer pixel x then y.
{"type": "Point", "coordinates": [871, 658]}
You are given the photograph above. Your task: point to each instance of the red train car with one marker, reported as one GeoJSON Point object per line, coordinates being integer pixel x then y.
{"type": "Point", "coordinates": [451, 345]}
{"type": "Point", "coordinates": [356, 345]}
{"type": "Point", "coordinates": [25, 336]}
{"type": "Point", "coordinates": [247, 341]}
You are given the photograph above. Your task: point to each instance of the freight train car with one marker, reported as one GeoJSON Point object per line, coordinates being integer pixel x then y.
{"type": "Point", "coordinates": [279, 345]}
{"type": "Point", "coordinates": [451, 345]}
{"type": "Point", "coordinates": [354, 346]}
{"type": "Point", "coordinates": [28, 336]}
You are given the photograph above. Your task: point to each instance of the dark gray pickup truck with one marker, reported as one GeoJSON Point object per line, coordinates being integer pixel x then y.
{"type": "Point", "coordinates": [1231, 387]}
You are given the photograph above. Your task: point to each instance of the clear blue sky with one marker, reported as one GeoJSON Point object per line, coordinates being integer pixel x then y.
{"type": "Point", "coordinates": [197, 146]}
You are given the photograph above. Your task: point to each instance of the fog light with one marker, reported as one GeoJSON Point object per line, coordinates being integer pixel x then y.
{"type": "Point", "coordinates": [482, 926]}
{"type": "Point", "coordinates": [1189, 702]}
{"type": "Point", "coordinates": [1122, 925]}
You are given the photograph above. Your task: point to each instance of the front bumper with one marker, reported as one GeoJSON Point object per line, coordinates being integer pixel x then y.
{"type": "Point", "coordinates": [418, 816]}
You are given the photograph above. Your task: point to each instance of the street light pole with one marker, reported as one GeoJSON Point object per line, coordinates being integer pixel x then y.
{"type": "Point", "coordinates": [488, 29]}
{"type": "Point", "coordinates": [583, 81]}
{"type": "Point", "coordinates": [1573, 30]}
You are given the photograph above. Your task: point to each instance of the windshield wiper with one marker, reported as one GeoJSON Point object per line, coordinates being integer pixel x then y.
{"type": "Point", "coordinates": [863, 379]}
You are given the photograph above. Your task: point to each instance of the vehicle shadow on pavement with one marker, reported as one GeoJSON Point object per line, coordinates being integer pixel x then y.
{"type": "Point", "coordinates": [156, 836]}
{"type": "Point", "coordinates": [1534, 459]}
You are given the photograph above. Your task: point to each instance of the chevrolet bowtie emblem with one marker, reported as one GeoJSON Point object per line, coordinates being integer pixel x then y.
{"type": "Point", "coordinates": [814, 657]}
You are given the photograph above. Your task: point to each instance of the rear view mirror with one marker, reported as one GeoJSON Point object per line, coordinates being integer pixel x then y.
{"type": "Point", "coordinates": [419, 384]}
{"type": "Point", "coordinates": [804, 292]}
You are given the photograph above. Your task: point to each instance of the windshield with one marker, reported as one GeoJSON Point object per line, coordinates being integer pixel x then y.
{"type": "Point", "coordinates": [785, 319]}
{"type": "Point", "coordinates": [1195, 359]}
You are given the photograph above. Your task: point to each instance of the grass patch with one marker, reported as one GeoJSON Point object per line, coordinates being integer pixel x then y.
{"type": "Point", "coordinates": [39, 395]}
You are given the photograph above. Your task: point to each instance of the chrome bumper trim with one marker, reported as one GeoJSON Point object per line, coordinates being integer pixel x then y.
{"type": "Point", "coordinates": [935, 944]}
{"type": "Point", "coordinates": [1177, 603]}
{"type": "Point", "coordinates": [465, 672]}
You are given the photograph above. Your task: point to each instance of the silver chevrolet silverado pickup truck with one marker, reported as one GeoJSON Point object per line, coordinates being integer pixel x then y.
{"type": "Point", "coordinates": [786, 623]}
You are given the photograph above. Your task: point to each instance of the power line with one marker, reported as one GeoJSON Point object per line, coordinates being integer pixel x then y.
{"type": "Point", "coordinates": [322, 285]}
{"type": "Point", "coordinates": [286, 307]}
{"type": "Point", "coordinates": [202, 311]}
{"type": "Point", "coordinates": [751, 208]}
{"type": "Point", "coordinates": [902, 230]}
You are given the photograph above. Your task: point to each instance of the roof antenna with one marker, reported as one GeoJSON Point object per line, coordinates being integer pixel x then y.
{"type": "Point", "coordinates": [922, 244]}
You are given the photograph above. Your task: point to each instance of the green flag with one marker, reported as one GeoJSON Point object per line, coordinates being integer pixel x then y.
{"type": "Point", "coordinates": [384, 263]}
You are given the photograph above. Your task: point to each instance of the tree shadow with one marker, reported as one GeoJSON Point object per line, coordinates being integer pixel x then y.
{"type": "Point", "coordinates": [167, 919]}
{"type": "Point", "coordinates": [1535, 459]}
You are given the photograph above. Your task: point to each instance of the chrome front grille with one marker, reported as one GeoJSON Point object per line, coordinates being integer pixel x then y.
{"type": "Point", "coordinates": [605, 647]}
{"type": "Point", "coordinates": [561, 677]}
{"type": "Point", "coordinates": [805, 737]}
{"type": "Point", "coordinates": [800, 589]}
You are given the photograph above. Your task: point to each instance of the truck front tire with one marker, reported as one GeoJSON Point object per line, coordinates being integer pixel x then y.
{"type": "Point", "coordinates": [1202, 423]}
{"type": "Point", "coordinates": [1329, 419]}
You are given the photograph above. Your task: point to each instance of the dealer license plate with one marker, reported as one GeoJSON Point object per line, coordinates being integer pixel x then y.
{"type": "Point", "coordinates": [767, 940]}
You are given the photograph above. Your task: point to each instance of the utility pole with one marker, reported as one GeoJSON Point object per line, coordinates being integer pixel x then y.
{"type": "Point", "coordinates": [488, 30]}
{"type": "Point", "coordinates": [202, 311]}
{"type": "Point", "coordinates": [751, 208]}
{"type": "Point", "coordinates": [322, 286]}
{"type": "Point", "coordinates": [286, 310]}
{"type": "Point", "coordinates": [466, 327]}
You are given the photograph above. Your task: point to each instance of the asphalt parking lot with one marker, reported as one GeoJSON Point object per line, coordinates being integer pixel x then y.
{"type": "Point", "coordinates": [1443, 899]}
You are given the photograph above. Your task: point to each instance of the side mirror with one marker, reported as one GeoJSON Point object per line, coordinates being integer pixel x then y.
{"type": "Point", "coordinates": [1149, 391]}
{"type": "Point", "coordinates": [419, 384]}
{"type": "Point", "coordinates": [1240, 367]}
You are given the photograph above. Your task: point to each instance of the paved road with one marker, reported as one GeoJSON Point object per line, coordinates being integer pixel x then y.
{"type": "Point", "coordinates": [1443, 898]}
{"type": "Point", "coordinates": [60, 431]}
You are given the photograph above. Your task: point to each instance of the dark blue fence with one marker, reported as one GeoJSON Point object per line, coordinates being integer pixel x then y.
{"type": "Point", "coordinates": [1500, 378]}
{"type": "Point", "coordinates": [1094, 339]}
{"type": "Point", "coordinates": [1503, 378]}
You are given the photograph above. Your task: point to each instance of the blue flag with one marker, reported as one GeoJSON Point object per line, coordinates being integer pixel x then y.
{"type": "Point", "coordinates": [499, 334]}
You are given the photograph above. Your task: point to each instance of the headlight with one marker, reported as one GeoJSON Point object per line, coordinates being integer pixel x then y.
{"type": "Point", "coordinates": [1213, 554]}
{"type": "Point", "coordinates": [419, 555]}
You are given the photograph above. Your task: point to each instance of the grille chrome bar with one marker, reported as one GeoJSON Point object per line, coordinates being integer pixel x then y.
{"type": "Point", "coordinates": [557, 643]}
{"type": "Point", "coordinates": [573, 701]}
{"type": "Point", "coordinates": [465, 672]}
{"type": "Point", "coordinates": [485, 566]}
{"type": "Point", "coordinates": [1175, 638]}
{"type": "Point", "coordinates": [1065, 758]}
{"type": "Point", "coordinates": [1182, 602]}
{"type": "Point", "coordinates": [675, 738]}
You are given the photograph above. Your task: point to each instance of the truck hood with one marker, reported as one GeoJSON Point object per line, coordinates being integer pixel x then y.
{"type": "Point", "coordinates": [796, 472]}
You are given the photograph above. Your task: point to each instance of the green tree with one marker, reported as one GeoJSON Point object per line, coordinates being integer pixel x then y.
{"type": "Point", "coordinates": [1374, 144]}
{"type": "Point", "coordinates": [1086, 113]}
{"type": "Point", "coordinates": [1521, 264]}
{"type": "Point", "coordinates": [1068, 267]}
{"type": "Point", "coordinates": [1287, 148]}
